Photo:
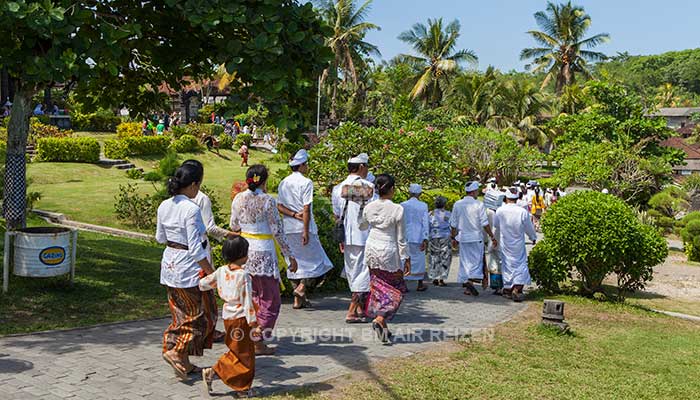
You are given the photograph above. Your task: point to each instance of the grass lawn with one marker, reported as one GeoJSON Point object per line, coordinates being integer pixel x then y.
{"type": "Point", "coordinates": [116, 280]}
{"type": "Point", "coordinates": [85, 192]}
{"type": "Point", "coordinates": [615, 352]}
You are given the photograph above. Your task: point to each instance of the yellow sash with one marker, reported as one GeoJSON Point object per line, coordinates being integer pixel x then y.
{"type": "Point", "coordinates": [281, 262]}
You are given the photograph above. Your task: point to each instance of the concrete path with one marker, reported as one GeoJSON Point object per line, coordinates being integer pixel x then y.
{"type": "Point", "coordinates": [123, 361]}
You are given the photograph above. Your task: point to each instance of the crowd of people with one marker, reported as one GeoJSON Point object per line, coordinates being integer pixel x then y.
{"type": "Point", "coordinates": [384, 245]}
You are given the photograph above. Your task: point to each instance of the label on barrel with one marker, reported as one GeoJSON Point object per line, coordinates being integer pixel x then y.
{"type": "Point", "coordinates": [52, 256]}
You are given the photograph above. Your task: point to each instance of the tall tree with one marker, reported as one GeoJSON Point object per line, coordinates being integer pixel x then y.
{"type": "Point", "coordinates": [435, 45]}
{"type": "Point", "coordinates": [122, 50]}
{"type": "Point", "coordinates": [520, 110]}
{"type": "Point", "coordinates": [472, 96]}
{"type": "Point", "coordinates": [561, 53]}
{"type": "Point", "coordinates": [347, 40]}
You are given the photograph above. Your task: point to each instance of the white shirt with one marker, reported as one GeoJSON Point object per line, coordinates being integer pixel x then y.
{"type": "Point", "coordinates": [415, 215]}
{"type": "Point", "coordinates": [440, 224]}
{"type": "Point", "coordinates": [295, 192]}
{"type": "Point", "coordinates": [204, 203]}
{"type": "Point", "coordinates": [180, 221]}
{"type": "Point", "coordinates": [236, 289]}
{"type": "Point", "coordinates": [511, 224]}
{"type": "Point", "coordinates": [469, 218]}
{"type": "Point", "coordinates": [354, 236]}
{"type": "Point", "coordinates": [387, 247]}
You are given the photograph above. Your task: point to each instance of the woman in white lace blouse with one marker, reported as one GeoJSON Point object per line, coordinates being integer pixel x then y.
{"type": "Point", "coordinates": [254, 213]}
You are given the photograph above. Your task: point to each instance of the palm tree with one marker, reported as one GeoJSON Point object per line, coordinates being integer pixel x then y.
{"type": "Point", "coordinates": [521, 107]}
{"type": "Point", "coordinates": [436, 56]}
{"type": "Point", "coordinates": [472, 95]}
{"type": "Point", "coordinates": [561, 43]}
{"type": "Point", "coordinates": [347, 41]}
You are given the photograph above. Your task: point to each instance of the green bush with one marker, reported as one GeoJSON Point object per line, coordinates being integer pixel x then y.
{"type": "Point", "coordinates": [152, 176]}
{"type": "Point", "coordinates": [136, 146]}
{"type": "Point", "coordinates": [200, 131]}
{"type": "Point", "coordinates": [68, 150]}
{"type": "Point", "coordinates": [597, 235]}
{"type": "Point", "coordinates": [545, 270]}
{"type": "Point", "coordinates": [177, 131]}
{"type": "Point", "coordinates": [39, 130]}
{"type": "Point", "coordinates": [3, 134]}
{"type": "Point", "coordinates": [186, 144]}
{"type": "Point", "coordinates": [129, 129]}
{"type": "Point", "coordinates": [216, 129]}
{"type": "Point", "coordinates": [692, 182]}
{"type": "Point", "coordinates": [135, 209]}
{"type": "Point", "coordinates": [429, 196]}
{"type": "Point", "coordinates": [134, 173]}
{"type": "Point", "coordinates": [243, 138]}
{"type": "Point", "coordinates": [100, 121]}
{"type": "Point", "coordinates": [325, 220]}
{"type": "Point", "coordinates": [225, 142]}
{"type": "Point", "coordinates": [168, 164]}
{"type": "Point", "coordinates": [690, 233]}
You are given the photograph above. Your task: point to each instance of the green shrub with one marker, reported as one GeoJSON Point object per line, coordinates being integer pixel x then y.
{"type": "Point", "coordinates": [690, 233]}
{"type": "Point", "coordinates": [116, 149]}
{"type": "Point", "coordinates": [134, 173]}
{"type": "Point", "coordinates": [243, 138]}
{"type": "Point", "coordinates": [177, 131]}
{"type": "Point", "coordinates": [101, 120]}
{"type": "Point", "coordinates": [135, 209]}
{"type": "Point", "coordinates": [692, 182]}
{"type": "Point", "coordinates": [152, 176]}
{"type": "Point", "coordinates": [129, 129]}
{"type": "Point", "coordinates": [225, 142]}
{"type": "Point", "coordinates": [186, 144]}
{"type": "Point", "coordinates": [429, 196]}
{"type": "Point", "coordinates": [596, 235]}
{"type": "Point", "coordinates": [323, 215]}
{"type": "Point", "coordinates": [216, 129]}
{"type": "Point", "coordinates": [200, 131]}
{"type": "Point", "coordinates": [68, 150]}
{"type": "Point", "coordinates": [288, 149]}
{"type": "Point", "coordinates": [544, 268]}
{"type": "Point", "coordinates": [3, 134]}
{"type": "Point", "coordinates": [136, 146]}
{"type": "Point", "coordinates": [168, 164]}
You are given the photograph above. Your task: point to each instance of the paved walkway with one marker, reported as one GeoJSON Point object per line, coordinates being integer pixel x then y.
{"type": "Point", "coordinates": [123, 361]}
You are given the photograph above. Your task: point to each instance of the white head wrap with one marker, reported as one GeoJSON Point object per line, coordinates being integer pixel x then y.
{"type": "Point", "coordinates": [361, 158]}
{"type": "Point", "coordinates": [415, 188]}
{"type": "Point", "coordinates": [299, 158]}
{"type": "Point", "coordinates": [471, 186]}
{"type": "Point", "coordinates": [512, 194]}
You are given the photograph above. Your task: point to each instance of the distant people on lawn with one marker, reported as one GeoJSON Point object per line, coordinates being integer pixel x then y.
{"type": "Point", "coordinates": [417, 230]}
{"type": "Point", "coordinates": [511, 224]}
{"type": "Point", "coordinates": [255, 215]}
{"type": "Point", "coordinates": [440, 246]}
{"type": "Point", "coordinates": [243, 152]}
{"type": "Point", "coordinates": [233, 283]}
{"type": "Point", "coordinates": [295, 196]}
{"type": "Point", "coordinates": [185, 260]}
{"type": "Point", "coordinates": [469, 222]}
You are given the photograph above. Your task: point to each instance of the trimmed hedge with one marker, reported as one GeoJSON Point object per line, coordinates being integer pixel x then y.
{"type": "Point", "coordinates": [186, 144]}
{"type": "Point", "coordinates": [85, 150]}
{"type": "Point", "coordinates": [136, 146]}
{"type": "Point", "coordinates": [102, 120]}
{"type": "Point", "coordinates": [129, 129]}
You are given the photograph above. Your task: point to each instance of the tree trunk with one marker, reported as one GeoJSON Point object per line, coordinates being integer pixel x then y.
{"type": "Point", "coordinates": [15, 201]}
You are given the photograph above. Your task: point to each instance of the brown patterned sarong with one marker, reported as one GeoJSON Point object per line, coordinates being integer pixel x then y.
{"type": "Point", "coordinates": [237, 367]}
{"type": "Point", "coordinates": [187, 333]}
{"type": "Point", "coordinates": [211, 313]}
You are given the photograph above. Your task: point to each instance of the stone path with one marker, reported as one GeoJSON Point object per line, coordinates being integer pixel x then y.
{"type": "Point", "coordinates": [123, 361]}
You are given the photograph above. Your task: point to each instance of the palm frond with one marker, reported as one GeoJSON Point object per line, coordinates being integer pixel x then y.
{"type": "Point", "coordinates": [420, 87]}
{"type": "Point", "coordinates": [594, 41]}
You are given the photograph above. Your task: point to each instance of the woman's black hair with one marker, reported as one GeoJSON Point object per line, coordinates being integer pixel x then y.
{"type": "Point", "coordinates": [234, 249]}
{"type": "Point", "coordinates": [440, 202]}
{"type": "Point", "coordinates": [353, 167]}
{"type": "Point", "coordinates": [537, 193]}
{"type": "Point", "coordinates": [185, 175]}
{"type": "Point", "coordinates": [195, 163]}
{"type": "Point", "coordinates": [384, 183]}
{"type": "Point", "coordinates": [259, 171]}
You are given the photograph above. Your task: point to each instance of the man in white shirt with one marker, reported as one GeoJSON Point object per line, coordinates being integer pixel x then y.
{"type": "Point", "coordinates": [416, 218]}
{"type": "Point", "coordinates": [491, 185]}
{"type": "Point", "coordinates": [512, 223]}
{"type": "Point", "coordinates": [468, 222]}
{"type": "Point", "coordinates": [295, 196]}
{"type": "Point", "coordinates": [353, 248]}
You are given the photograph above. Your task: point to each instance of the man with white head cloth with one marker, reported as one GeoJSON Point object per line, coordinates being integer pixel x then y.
{"type": "Point", "coordinates": [349, 211]}
{"type": "Point", "coordinates": [416, 218]}
{"type": "Point", "coordinates": [511, 224]}
{"type": "Point", "coordinates": [469, 222]}
{"type": "Point", "coordinates": [294, 202]}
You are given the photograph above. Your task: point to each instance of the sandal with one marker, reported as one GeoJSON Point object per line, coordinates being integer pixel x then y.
{"type": "Point", "coordinates": [436, 282]}
{"type": "Point", "coordinates": [442, 283]}
{"type": "Point", "coordinates": [471, 290]}
{"type": "Point", "coordinates": [421, 288]}
{"type": "Point", "coordinates": [219, 336]}
{"type": "Point", "coordinates": [207, 378]}
{"type": "Point", "coordinates": [194, 369]}
{"type": "Point", "coordinates": [381, 332]}
{"type": "Point", "coordinates": [178, 366]}
{"type": "Point", "coordinates": [266, 351]}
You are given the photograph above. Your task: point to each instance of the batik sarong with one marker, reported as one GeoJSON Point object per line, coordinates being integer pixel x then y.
{"type": "Point", "coordinates": [439, 258]}
{"type": "Point", "coordinates": [385, 293]}
{"type": "Point", "coordinates": [236, 368]}
{"type": "Point", "coordinates": [187, 333]}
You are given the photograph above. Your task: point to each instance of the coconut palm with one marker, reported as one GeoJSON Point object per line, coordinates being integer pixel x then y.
{"type": "Point", "coordinates": [435, 46]}
{"type": "Point", "coordinates": [347, 20]}
{"type": "Point", "coordinates": [520, 107]}
{"type": "Point", "coordinates": [472, 95]}
{"type": "Point", "coordinates": [561, 53]}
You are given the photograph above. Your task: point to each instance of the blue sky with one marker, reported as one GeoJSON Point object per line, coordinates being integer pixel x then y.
{"type": "Point", "coordinates": [495, 29]}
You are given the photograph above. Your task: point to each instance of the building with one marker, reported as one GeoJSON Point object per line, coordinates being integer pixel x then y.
{"type": "Point", "coordinates": [692, 156]}
{"type": "Point", "coordinates": [677, 117]}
